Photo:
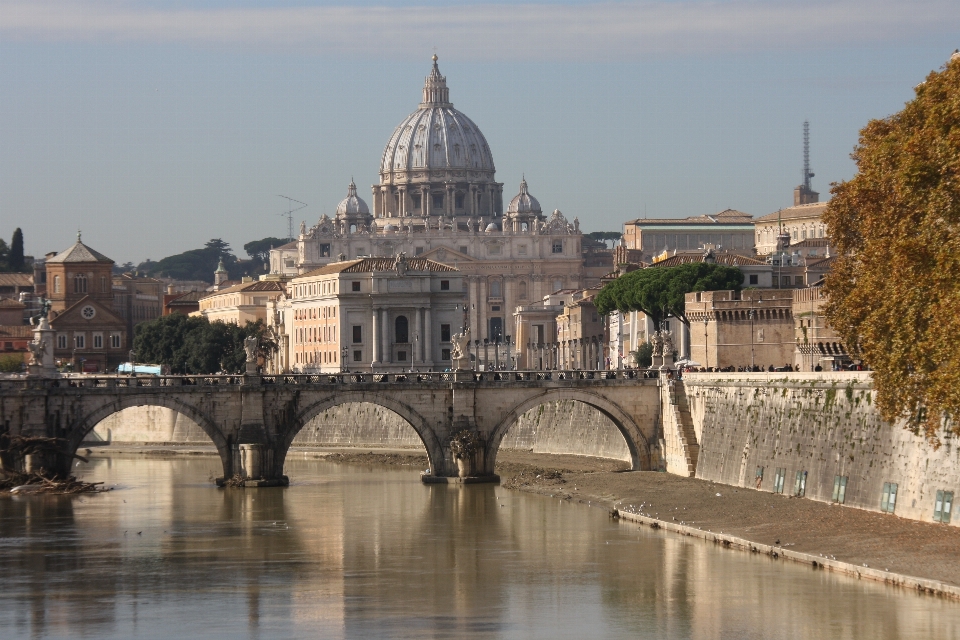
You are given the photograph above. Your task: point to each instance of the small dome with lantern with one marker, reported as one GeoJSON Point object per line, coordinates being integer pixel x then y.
{"type": "Point", "coordinates": [523, 202]}
{"type": "Point", "coordinates": [352, 205]}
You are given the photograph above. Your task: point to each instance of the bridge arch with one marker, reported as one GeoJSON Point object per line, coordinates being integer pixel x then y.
{"type": "Point", "coordinates": [79, 430]}
{"type": "Point", "coordinates": [427, 434]}
{"type": "Point", "coordinates": [636, 441]}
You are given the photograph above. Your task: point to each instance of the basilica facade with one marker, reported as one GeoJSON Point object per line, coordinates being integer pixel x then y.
{"type": "Point", "coordinates": [438, 199]}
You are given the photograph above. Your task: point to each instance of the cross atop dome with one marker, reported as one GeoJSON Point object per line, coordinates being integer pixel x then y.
{"type": "Point", "coordinates": [435, 91]}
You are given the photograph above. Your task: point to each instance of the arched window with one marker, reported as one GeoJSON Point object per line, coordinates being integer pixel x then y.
{"type": "Point", "coordinates": [80, 283]}
{"type": "Point", "coordinates": [496, 289]}
{"type": "Point", "coordinates": [523, 290]}
{"type": "Point", "coordinates": [401, 329]}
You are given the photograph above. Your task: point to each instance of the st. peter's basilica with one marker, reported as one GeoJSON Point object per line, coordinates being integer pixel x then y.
{"type": "Point", "coordinates": [438, 198]}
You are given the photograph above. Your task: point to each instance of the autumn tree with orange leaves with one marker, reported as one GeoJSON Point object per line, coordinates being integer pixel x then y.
{"type": "Point", "coordinates": [894, 293]}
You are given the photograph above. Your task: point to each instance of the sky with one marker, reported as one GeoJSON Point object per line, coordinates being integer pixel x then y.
{"type": "Point", "coordinates": [154, 126]}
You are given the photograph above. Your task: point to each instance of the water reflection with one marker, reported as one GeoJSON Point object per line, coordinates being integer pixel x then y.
{"type": "Point", "coordinates": [357, 552]}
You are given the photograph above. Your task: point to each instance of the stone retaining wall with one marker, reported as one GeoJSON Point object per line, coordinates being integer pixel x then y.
{"type": "Point", "coordinates": [822, 425]}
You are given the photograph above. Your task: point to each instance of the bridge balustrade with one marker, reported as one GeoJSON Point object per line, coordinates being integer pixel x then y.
{"type": "Point", "coordinates": [426, 377]}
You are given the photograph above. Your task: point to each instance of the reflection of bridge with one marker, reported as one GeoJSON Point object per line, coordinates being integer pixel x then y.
{"type": "Point", "coordinates": [252, 420]}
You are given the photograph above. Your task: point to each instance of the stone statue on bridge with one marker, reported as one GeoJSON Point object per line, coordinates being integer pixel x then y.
{"type": "Point", "coordinates": [667, 343]}
{"type": "Point", "coordinates": [656, 341]}
{"type": "Point", "coordinates": [37, 350]}
{"type": "Point", "coordinates": [250, 345]}
{"type": "Point", "coordinates": [460, 353]}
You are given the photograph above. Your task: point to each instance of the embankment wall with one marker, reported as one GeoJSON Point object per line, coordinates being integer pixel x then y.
{"type": "Point", "coordinates": [823, 425]}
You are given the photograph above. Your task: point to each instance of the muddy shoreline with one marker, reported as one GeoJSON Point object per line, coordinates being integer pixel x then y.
{"type": "Point", "coordinates": [843, 538]}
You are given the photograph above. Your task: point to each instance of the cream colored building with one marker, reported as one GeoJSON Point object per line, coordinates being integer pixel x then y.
{"type": "Point", "coordinates": [817, 343]}
{"type": "Point", "coordinates": [372, 314]}
{"type": "Point", "coordinates": [644, 238]}
{"type": "Point", "coordinates": [741, 328]}
{"type": "Point", "coordinates": [799, 223]}
{"type": "Point", "coordinates": [241, 303]}
{"type": "Point", "coordinates": [581, 334]}
{"type": "Point", "coordinates": [438, 199]}
{"type": "Point", "coordinates": [535, 328]}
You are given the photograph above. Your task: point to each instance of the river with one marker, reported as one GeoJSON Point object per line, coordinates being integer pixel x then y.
{"type": "Point", "coordinates": [357, 552]}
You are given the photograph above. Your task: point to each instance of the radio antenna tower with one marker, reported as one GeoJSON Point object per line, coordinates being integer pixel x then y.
{"type": "Point", "coordinates": [807, 174]}
{"type": "Point", "coordinates": [289, 213]}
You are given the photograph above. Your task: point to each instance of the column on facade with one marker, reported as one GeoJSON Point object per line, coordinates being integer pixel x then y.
{"type": "Point", "coordinates": [427, 336]}
{"type": "Point", "coordinates": [482, 294]}
{"type": "Point", "coordinates": [649, 327]}
{"type": "Point", "coordinates": [375, 338]}
{"type": "Point", "coordinates": [473, 285]}
{"type": "Point", "coordinates": [384, 337]}
{"type": "Point", "coordinates": [450, 202]}
{"type": "Point", "coordinates": [418, 335]}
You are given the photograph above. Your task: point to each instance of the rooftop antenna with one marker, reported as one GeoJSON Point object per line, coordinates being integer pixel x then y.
{"type": "Point", "coordinates": [807, 174]}
{"type": "Point", "coordinates": [289, 213]}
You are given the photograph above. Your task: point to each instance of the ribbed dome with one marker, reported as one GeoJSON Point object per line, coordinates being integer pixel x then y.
{"type": "Point", "coordinates": [523, 202]}
{"type": "Point", "coordinates": [492, 227]}
{"type": "Point", "coordinates": [352, 204]}
{"type": "Point", "coordinates": [436, 136]}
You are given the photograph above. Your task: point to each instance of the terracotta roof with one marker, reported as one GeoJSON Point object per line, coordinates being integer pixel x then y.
{"type": "Point", "coordinates": [825, 262]}
{"type": "Point", "coordinates": [79, 252]}
{"type": "Point", "coordinates": [10, 303]}
{"type": "Point", "coordinates": [16, 331]}
{"type": "Point", "coordinates": [289, 245]}
{"type": "Point", "coordinates": [367, 265]}
{"type": "Point", "coordinates": [190, 297]}
{"type": "Point", "coordinates": [16, 279]}
{"type": "Point", "coordinates": [729, 259]}
{"type": "Point", "coordinates": [810, 243]}
{"type": "Point", "coordinates": [256, 285]}
{"type": "Point", "coordinates": [727, 216]}
{"type": "Point", "coordinates": [792, 213]}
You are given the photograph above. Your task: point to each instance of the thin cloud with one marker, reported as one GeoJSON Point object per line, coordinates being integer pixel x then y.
{"type": "Point", "coordinates": [494, 31]}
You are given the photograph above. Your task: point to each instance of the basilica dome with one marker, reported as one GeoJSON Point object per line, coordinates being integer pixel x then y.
{"type": "Point", "coordinates": [435, 138]}
{"type": "Point", "coordinates": [352, 205]}
{"type": "Point", "coordinates": [523, 202]}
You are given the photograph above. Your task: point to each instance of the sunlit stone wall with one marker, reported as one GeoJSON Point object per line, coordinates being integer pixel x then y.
{"type": "Point", "coordinates": [824, 425]}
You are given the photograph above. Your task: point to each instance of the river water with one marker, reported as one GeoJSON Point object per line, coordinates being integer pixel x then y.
{"type": "Point", "coordinates": [356, 552]}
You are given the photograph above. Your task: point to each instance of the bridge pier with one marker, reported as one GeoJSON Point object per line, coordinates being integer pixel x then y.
{"type": "Point", "coordinates": [253, 457]}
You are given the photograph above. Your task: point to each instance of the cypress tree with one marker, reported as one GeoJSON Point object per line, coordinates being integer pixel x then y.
{"type": "Point", "coordinates": [15, 261]}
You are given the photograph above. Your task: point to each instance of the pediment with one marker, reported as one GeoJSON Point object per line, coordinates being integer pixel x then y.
{"type": "Point", "coordinates": [446, 255]}
{"type": "Point", "coordinates": [75, 315]}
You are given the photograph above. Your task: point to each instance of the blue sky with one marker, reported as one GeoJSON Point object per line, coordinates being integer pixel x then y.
{"type": "Point", "coordinates": [154, 126]}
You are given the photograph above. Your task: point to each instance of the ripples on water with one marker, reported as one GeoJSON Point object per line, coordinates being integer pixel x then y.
{"type": "Point", "coordinates": [353, 552]}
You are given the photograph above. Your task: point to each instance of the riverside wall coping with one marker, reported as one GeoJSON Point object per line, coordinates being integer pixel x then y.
{"type": "Point", "coordinates": [921, 585]}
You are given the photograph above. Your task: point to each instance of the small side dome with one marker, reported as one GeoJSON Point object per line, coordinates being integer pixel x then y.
{"type": "Point", "coordinates": [390, 227]}
{"type": "Point", "coordinates": [523, 202]}
{"type": "Point", "coordinates": [492, 227]}
{"type": "Point", "coordinates": [352, 205]}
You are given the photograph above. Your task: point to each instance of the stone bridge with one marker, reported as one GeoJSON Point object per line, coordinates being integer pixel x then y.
{"type": "Point", "coordinates": [253, 419]}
